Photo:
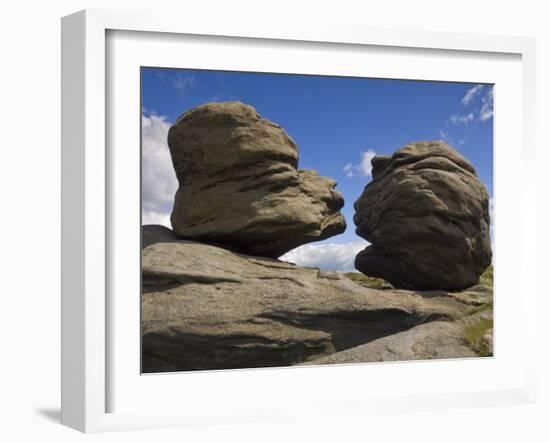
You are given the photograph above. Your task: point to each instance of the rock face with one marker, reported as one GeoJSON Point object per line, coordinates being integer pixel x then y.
{"type": "Point", "coordinates": [434, 340]}
{"type": "Point", "coordinates": [204, 307]}
{"type": "Point", "coordinates": [426, 215]}
{"type": "Point", "coordinates": [239, 186]}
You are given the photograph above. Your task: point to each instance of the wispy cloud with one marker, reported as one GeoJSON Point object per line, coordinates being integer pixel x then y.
{"type": "Point", "coordinates": [158, 179]}
{"type": "Point", "coordinates": [485, 106]}
{"type": "Point", "coordinates": [486, 111]}
{"type": "Point", "coordinates": [337, 257]}
{"type": "Point", "coordinates": [471, 94]}
{"type": "Point", "coordinates": [461, 119]}
{"type": "Point", "coordinates": [182, 83]}
{"type": "Point", "coordinates": [445, 136]}
{"type": "Point", "coordinates": [363, 168]}
{"type": "Point", "coordinates": [478, 101]}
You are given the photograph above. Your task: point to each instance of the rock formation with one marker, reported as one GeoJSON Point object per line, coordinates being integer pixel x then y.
{"type": "Point", "coordinates": [426, 215]}
{"type": "Point", "coordinates": [239, 186]}
{"type": "Point", "coordinates": [433, 340]}
{"type": "Point", "coordinates": [204, 307]}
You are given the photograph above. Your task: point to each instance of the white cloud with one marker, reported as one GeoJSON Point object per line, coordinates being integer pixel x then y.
{"type": "Point", "coordinates": [364, 167]}
{"type": "Point", "coordinates": [152, 217]}
{"type": "Point", "coordinates": [461, 119]}
{"type": "Point", "coordinates": [481, 110]}
{"type": "Point", "coordinates": [348, 168]}
{"type": "Point", "coordinates": [471, 94]}
{"type": "Point", "coordinates": [337, 257]}
{"type": "Point", "coordinates": [158, 179]}
{"type": "Point", "coordinates": [486, 111]}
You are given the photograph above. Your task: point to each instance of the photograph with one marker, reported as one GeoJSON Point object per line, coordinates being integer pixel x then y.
{"type": "Point", "coordinates": [304, 220]}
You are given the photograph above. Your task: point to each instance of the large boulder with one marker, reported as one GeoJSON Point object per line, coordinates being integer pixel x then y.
{"type": "Point", "coordinates": [426, 215]}
{"type": "Point", "coordinates": [239, 186]}
{"type": "Point", "coordinates": [205, 307]}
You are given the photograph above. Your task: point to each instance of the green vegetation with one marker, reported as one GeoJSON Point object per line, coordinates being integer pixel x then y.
{"type": "Point", "coordinates": [482, 308]}
{"type": "Point", "coordinates": [487, 277]}
{"type": "Point", "coordinates": [473, 336]}
{"type": "Point", "coordinates": [377, 283]}
{"type": "Point", "coordinates": [367, 281]}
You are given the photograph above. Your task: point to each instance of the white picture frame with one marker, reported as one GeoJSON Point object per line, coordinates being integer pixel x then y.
{"type": "Point", "coordinates": [86, 212]}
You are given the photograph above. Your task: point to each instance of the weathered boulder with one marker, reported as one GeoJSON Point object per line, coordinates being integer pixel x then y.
{"type": "Point", "coordinates": [204, 307]}
{"type": "Point", "coordinates": [426, 215]}
{"type": "Point", "coordinates": [239, 186]}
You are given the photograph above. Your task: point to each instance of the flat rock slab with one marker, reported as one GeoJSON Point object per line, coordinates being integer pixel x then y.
{"type": "Point", "coordinates": [434, 340]}
{"type": "Point", "coordinates": [204, 307]}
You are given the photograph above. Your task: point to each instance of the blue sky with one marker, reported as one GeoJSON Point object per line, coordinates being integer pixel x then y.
{"type": "Point", "coordinates": [338, 123]}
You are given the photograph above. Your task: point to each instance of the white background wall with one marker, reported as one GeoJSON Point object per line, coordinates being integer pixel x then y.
{"type": "Point", "coordinates": [30, 220]}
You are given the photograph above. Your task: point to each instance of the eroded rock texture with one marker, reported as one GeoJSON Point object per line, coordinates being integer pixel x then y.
{"type": "Point", "coordinates": [433, 340]}
{"type": "Point", "coordinates": [204, 308]}
{"type": "Point", "coordinates": [426, 215]}
{"type": "Point", "coordinates": [239, 186]}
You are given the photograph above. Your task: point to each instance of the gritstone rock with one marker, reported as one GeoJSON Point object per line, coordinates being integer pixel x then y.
{"type": "Point", "coordinates": [426, 215]}
{"type": "Point", "coordinates": [205, 307]}
{"type": "Point", "coordinates": [239, 186]}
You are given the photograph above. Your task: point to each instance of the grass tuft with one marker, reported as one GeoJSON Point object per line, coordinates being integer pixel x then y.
{"type": "Point", "coordinates": [487, 277]}
{"type": "Point", "coordinates": [481, 308]}
{"type": "Point", "coordinates": [473, 336]}
{"type": "Point", "coordinates": [367, 281]}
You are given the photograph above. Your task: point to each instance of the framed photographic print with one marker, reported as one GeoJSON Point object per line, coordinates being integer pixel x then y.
{"type": "Point", "coordinates": [226, 204]}
{"type": "Point", "coordinates": [317, 214]}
